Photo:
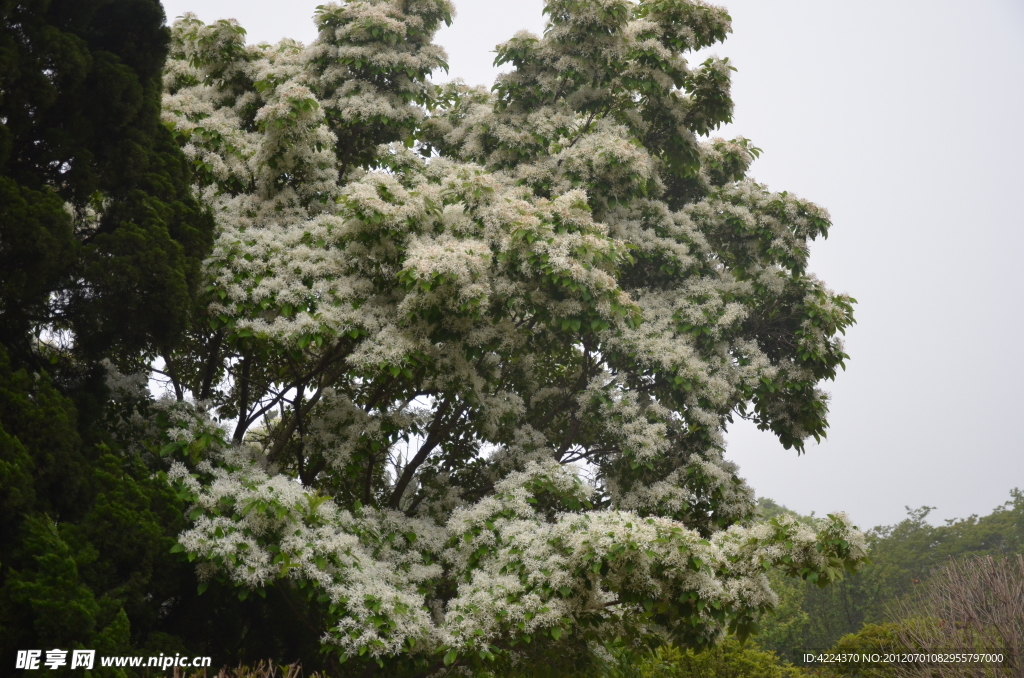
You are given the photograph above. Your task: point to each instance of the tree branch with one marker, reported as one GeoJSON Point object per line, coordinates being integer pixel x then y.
{"type": "Point", "coordinates": [210, 368]}
{"type": "Point", "coordinates": [171, 374]}
{"type": "Point", "coordinates": [243, 401]}
{"type": "Point", "coordinates": [434, 436]}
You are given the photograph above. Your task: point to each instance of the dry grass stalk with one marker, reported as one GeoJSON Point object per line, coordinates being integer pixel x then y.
{"type": "Point", "coordinates": [262, 670]}
{"type": "Point", "coordinates": [974, 605]}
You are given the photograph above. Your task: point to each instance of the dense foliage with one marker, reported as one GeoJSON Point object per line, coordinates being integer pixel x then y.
{"type": "Point", "coordinates": [101, 244]}
{"type": "Point", "coordinates": [478, 378]}
{"type": "Point", "coordinates": [731, 659]}
{"type": "Point", "coordinates": [100, 235]}
{"type": "Point", "coordinates": [449, 389]}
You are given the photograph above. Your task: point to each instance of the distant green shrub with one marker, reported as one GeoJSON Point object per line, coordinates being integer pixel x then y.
{"type": "Point", "coordinates": [731, 659]}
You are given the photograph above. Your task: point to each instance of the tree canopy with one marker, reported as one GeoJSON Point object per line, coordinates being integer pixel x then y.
{"type": "Point", "coordinates": [449, 368]}
{"type": "Point", "coordinates": [478, 349]}
{"type": "Point", "coordinates": [101, 236]}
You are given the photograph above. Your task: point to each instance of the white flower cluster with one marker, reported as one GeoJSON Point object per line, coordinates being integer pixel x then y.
{"type": "Point", "coordinates": [520, 571]}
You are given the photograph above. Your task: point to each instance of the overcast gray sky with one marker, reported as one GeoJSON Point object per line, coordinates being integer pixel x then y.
{"type": "Point", "coordinates": [905, 118]}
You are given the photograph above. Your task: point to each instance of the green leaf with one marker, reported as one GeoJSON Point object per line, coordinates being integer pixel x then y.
{"type": "Point", "coordinates": [450, 658]}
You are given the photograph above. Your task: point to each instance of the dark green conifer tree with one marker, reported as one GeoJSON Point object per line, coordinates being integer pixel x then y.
{"type": "Point", "coordinates": [100, 236]}
{"type": "Point", "coordinates": [100, 248]}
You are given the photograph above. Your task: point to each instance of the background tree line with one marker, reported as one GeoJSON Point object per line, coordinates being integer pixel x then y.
{"type": "Point", "coordinates": [869, 611]}
{"type": "Point", "coordinates": [903, 558]}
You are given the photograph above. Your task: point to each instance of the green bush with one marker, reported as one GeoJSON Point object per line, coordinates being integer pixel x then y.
{"type": "Point", "coordinates": [731, 659]}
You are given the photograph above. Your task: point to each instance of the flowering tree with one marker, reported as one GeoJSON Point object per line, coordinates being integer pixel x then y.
{"type": "Point", "coordinates": [478, 349]}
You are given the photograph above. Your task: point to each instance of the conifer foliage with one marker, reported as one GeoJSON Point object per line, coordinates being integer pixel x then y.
{"type": "Point", "coordinates": [478, 349]}
{"type": "Point", "coordinates": [101, 243]}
